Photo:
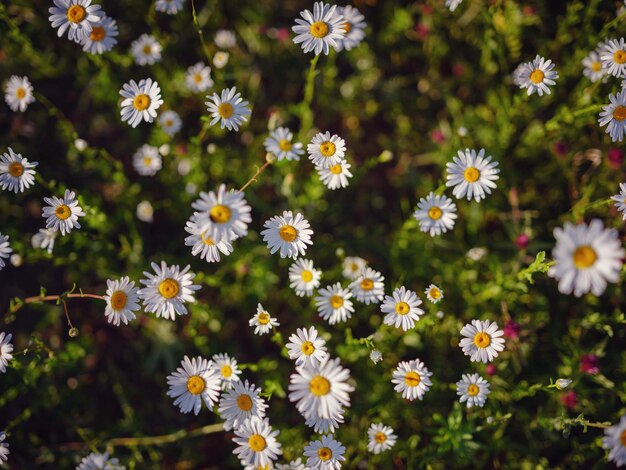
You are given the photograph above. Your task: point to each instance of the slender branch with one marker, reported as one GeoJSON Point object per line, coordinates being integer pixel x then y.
{"type": "Point", "coordinates": [205, 49]}
{"type": "Point", "coordinates": [67, 314]}
{"type": "Point", "coordinates": [306, 121]}
{"type": "Point", "coordinates": [165, 438]}
{"type": "Point", "coordinates": [50, 298]}
{"type": "Point", "coordinates": [253, 179]}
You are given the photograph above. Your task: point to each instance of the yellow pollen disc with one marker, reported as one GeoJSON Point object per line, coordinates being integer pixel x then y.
{"type": "Point", "coordinates": [435, 213]}
{"type": "Point", "coordinates": [336, 301]}
{"type": "Point", "coordinates": [472, 390]}
{"type": "Point", "coordinates": [402, 308]}
{"type": "Point", "coordinates": [380, 437]}
{"type": "Point", "coordinates": [482, 340]}
{"type": "Point", "coordinates": [308, 348]}
{"type": "Point", "coordinates": [63, 212]}
{"type": "Point", "coordinates": [471, 175]}
{"type": "Point", "coordinates": [620, 57]}
{"type": "Point", "coordinates": [226, 371]}
{"type": "Point", "coordinates": [336, 169]}
{"type": "Point", "coordinates": [327, 149]}
{"type": "Point", "coordinates": [169, 123]}
{"type": "Point", "coordinates": [20, 93]}
{"type": "Point", "coordinates": [537, 76]}
{"type": "Point", "coordinates": [619, 114]}
{"type": "Point", "coordinates": [220, 214]}
{"type": "Point", "coordinates": [257, 442]}
{"type": "Point", "coordinates": [141, 102]}
{"type": "Point", "coordinates": [596, 66]}
{"type": "Point", "coordinates": [244, 402]}
{"type": "Point", "coordinates": [97, 34]}
{"type": "Point", "coordinates": [435, 293]}
{"type": "Point", "coordinates": [263, 318]}
{"type": "Point", "coordinates": [319, 29]}
{"type": "Point", "coordinates": [76, 13]}
{"type": "Point", "coordinates": [354, 267]}
{"type": "Point", "coordinates": [197, 78]}
{"type": "Point", "coordinates": [412, 379]}
{"type": "Point", "coordinates": [367, 284]}
{"type": "Point", "coordinates": [169, 288]}
{"type": "Point", "coordinates": [622, 438]}
{"type": "Point", "coordinates": [584, 257]}
{"type": "Point", "coordinates": [347, 27]}
{"type": "Point", "coordinates": [225, 110]}
{"type": "Point", "coordinates": [16, 169]}
{"type": "Point", "coordinates": [284, 145]}
{"type": "Point", "coordinates": [207, 240]}
{"type": "Point", "coordinates": [307, 276]}
{"type": "Point", "coordinates": [147, 49]}
{"type": "Point", "coordinates": [118, 299]}
{"type": "Point", "coordinates": [325, 453]}
{"type": "Point", "coordinates": [195, 385]}
{"type": "Point", "coordinates": [319, 386]}
{"type": "Point", "coordinates": [147, 161]}
{"type": "Point", "coordinates": [288, 233]}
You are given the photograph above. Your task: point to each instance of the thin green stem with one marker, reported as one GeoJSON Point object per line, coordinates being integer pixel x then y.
{"type": "Point", "coordinates": [196, 25]}
{"type": "Point", "coordinates": [306, 121]}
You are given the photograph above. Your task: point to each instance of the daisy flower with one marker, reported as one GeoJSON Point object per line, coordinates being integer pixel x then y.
{"type": "Point", "coordinates": [320, 30]}
{"type": "Point", "coordinates": [95, 461]}
{"type": "Point", "coordinates": [593, 67]}
{"type": "Point", "coordinates": [224, 215]}
{"type": "Point", "coordinates": [230, 109]}
{"type": "Point", "coordinates": [170, 122]}
{"type": "Point", "coordinates": [5, 249]}
{"type": "Point", "coordinates": [44, 239]}
{"type": "Point", "coordinates": [368, 287]}
{"type": "Point", "coordinates": [381, 438]}
{"type": "Point", "coordinates": [323, 426]}
{"type": "Point", "coordinates": [335, 176]}
{"type": "Point", "coordinates": [220, 59]}
{"type": "Point", "coordinates": [433, 293]}
{"type": "Point", "coordinates": [614, 114]}
{"type": "Point", "coordinates": [586, 257]}
{"type": "Point", "coordinates": [203, 245]}
{"type": "Point", "coordinates": [473, 389]}
{"type": "Point", "coordinates": [535, 76]}
{"type": "Point", "coordinates": [18, 93]}
{"type": "Point", "coordinates": [614, 441]}
{"type": "Point", "coordinates": [435, 214]}
{"type": "Point", "coordinates": [326, 150]}
{"type": "Point", "coordinates": [145, 211]}
{"type": "Point", "coordinates": [620, 200]}
{"type": "Point", "coordinates": [256, 442]}
{"type": "Point", "coordinates": [472, 174]}
{"type": "Point", "coordinates": [171, 7]}
{"type": "Point", "coordinates": [325, 454]}
{"type": "Point", "coordinates": [280, 143]}
{"type": "Point", "coordinates": [287, 233]}
{"type": "Point", "coordinates": [77, 17]}
{"type": "Point", "coordinates": [482, 341]}
{"type": "Point", "coordinates": [613, 57]}
{"type": "Point", "coordinates": [453, 4]}
{"type": "Point", "coordinates": [140, 101]}
{"type": "Point", "coordinates": [146, 50]}
{"type": "Point", "coordinates": [304, 277]}
{"type": "Point", "coordinates": [193, 383]}
{"type": "Point", "coordinates": [6, 348]}
{"type": "Point", "coordinates": [62, 213]}
{"type": "Point", "coordinates": [353, 266]}
{"type": "Point", "coordinates": [320, 389]}
{"type": "Point", "coordinates": [122, 298]}
{"type": "Point", "coordinates": [353, 26]}
{"type": "Point", "coordinates": [198, 78]}
{"type": "Point", "coordinates": [402, 309]}
{"type": "Point", "coordinates": [293, 465]}
{"type": "Point", "coordinates": [262, 321]}
{"type": "Point", "coordinates": [306, 347]}
{"type": "Point", "coordinates": [102, 37]}
{"type": "Point", "coordinates": [168, 290]}
{"type": "Point", "coordinates": [411, 379]}
{"type": "Point", "coordinates": [517, 74]}
{"type": "Point", "coordinates": [225, 39]}
{"type": "Point", "coordinates": [227, 369]}
{"type": "Point", "coordinates": [333, 304]}
{"type": "Point", "coordinates": [376, 356]}
{"type": "Point", "coordinates": [147, 160]}
{"type": "Point", "coordinates": [241, 402]}
{"type": "Point", "coordinates": [4, 448]}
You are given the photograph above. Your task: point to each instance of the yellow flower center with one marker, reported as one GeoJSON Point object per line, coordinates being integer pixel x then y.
{"type": "Point", "coordinates": [622, 438]}
{"type": "Point", "coordinates": [169, 288]}
{"type": "Point", "coordinates": [472, 390]}
{"type": "Point", "coordinates": [195, 385]}
{"type": "Point", "coordinates": [197, 78]}
{"type": "Point", "coordinates": [412, 379]}
{"type": "Point", "coordinates": [336, 169]}
{"type": "Point", "coordinates": [596, 66]}
{"type": "Point", "coordinates": [307, 276]}
{"type": "Point", "coordinates": [336, 301]}
{"type": "Point", "coordinates": [471, 175]}
{"type": "Point", "coordinates": [76, 13]}
{"type": "Point", "coordinates": [207, 240]}
{"type": "Point", "coordinates": [435, 213]}
{"type": "Point", "coordinates": [537, 76]}
{"type": "Point", "coordinates": [118, 299]}
{"type": "Point", "coordinates": [380, 437]}
{"type": "Point", "coordinates": [347, 27]}
{"type": "Point", "coordinates": [482, 340]}
{"type": "Point", "coordinates": [169, 123]}
{"type": "Point", "coordinates": [147, 161]}
{"type": "Point", "coordinates": [620, 57]}
{"type": "Point", "coordinates": [619, 114]}
{"type": "Point", "coordinates": [226, 371]}
{"type": "Point", "coordinates": [225, 110]}
{"type": "Point", "coordinates": [319, 29]}
{"type": "Point", "coordinates": [435, 293]}
{"type": "Point", "coordinates": [141, 102]}
{"type": "Point", "coordinates": [402, 308]}
{"type": "Point", "coordinates": [220, 214]}
{"type": "Point", "coordinates": [308, 348]}
{"type": "Point", "coordinates": [16, 169]}
{"type": "Point", "coordinates": [244, 402]}
{"type": "Point", "coordinates": [288, 233]}
{"type": "Point", "coordinates": [328, 149]}
{"type": "Point", "coordinates": [319, 386]}
{"type": "Point", "coordinates": [98, 33]}
{"type": "Point", "coordinates": [325, 453]}
{"type": "Point", "coordinates": [584, 257]}
{"type": "Point", "coordinates": [20, 93]}
{"type": "Point", "coordinates": [147, 49]}
{"type": "Point", "coordinates": [367, 284]}
{"type": "Point", "coordinates": [263, 318]}
{"type": "Point", "coordinates": [354, 267]}
{"type": "Point", "coordinates": [63, 211]}
{"type": "Point", "coordinates": [284, 145]}
{"type": "Point", "coordinates": [257, 442]}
